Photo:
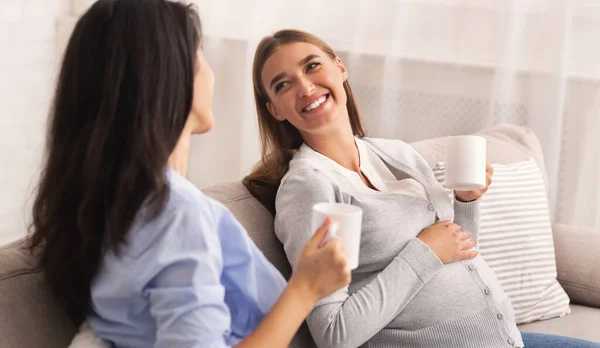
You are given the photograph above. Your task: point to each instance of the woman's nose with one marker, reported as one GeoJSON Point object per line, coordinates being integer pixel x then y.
{"type": "Point", "coordinates": [306, 87]}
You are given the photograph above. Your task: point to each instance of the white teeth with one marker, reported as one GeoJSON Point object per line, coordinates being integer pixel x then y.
{"type": "Point", "coordinates": [316, 103]}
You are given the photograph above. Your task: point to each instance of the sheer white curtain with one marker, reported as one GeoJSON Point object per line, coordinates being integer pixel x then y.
{"type": "Point", "coordinates": [426, 68]}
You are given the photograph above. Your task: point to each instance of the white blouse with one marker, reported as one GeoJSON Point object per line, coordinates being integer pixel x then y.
{"type": "Point", "coordinates": [380, 176]}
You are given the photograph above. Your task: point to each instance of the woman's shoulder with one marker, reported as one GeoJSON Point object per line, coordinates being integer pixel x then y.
{"type": "Point", "coordinates": [185, 198]}
{"type": "Point", "coordinates": [305, 183]}
{"type": "Point", "coordinates": [187, 211]}
{"type": "Point", "coordinates": [182, 194]}
{"type": "Point", "coordinates": [306, 173]}
{"type": "Point", "coordinates": [311, 167]}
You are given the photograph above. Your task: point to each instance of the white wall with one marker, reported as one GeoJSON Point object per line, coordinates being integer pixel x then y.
{"type": "Point", "coordinates": [34, 32]}
{"type": "Point", "coordinates": [28, 60]}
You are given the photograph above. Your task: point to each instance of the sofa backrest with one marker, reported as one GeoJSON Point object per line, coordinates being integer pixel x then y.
{"type": "Point", "coordinates": [29, 314]}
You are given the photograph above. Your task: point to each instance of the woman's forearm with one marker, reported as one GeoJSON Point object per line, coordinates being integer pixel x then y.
{"type": "Point", "coordinates": [348, 321]}
{"type": "Point", "coordinates": [280, 325]}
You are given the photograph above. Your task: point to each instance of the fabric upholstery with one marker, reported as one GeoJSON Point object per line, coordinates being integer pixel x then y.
{"type": "Point", "coordinates": [29, 314]}
{"type": "Point", "coordinates": [578, 263]}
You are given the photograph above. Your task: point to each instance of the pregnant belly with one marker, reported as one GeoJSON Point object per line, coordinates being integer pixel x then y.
{"type": "Point", "coordinates": [451, 293]}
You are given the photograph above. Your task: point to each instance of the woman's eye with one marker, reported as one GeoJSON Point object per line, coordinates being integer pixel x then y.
{"type": "Point", "coordinates": [311, 66]}
{"type": "Point", "coordinates": [279, 86]}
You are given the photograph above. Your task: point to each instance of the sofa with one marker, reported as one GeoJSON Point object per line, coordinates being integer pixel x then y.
{"type": "Point", "coordinates": [30, 317]}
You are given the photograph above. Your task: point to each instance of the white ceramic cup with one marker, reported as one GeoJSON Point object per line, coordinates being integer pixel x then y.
{"type": "Point", "coordinates": [346, 223]}
{"type": "Point", "coordinates": [465, 158]}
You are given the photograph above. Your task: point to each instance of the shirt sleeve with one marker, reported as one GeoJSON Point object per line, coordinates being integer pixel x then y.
{"type": "Point", "coordinates": [184, 290]}
{"type": "Point", "coordinates": [343, 319]}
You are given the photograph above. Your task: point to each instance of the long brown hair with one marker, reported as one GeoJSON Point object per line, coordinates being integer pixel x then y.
{"type": "Point", "coordinates": [280, 139]}
{"type": "Point", "coordinates": [124, 93]}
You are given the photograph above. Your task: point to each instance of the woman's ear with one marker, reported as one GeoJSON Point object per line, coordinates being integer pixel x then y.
{"type": "Point", "coordinates": [273, 111]}
{"type": "Point", "coordinates": [342, 67]}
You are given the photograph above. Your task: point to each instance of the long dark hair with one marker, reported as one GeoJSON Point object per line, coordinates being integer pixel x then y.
{"type": "Point", "coordinates": [123, 96]}
{"type": "Point", "coordinates": [280, 139]}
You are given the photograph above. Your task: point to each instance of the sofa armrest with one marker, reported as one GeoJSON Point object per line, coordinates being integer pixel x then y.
{"type": "Point", "coordinates": [578, 262]}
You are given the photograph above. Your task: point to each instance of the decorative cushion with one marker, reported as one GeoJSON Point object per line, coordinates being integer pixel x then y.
{"type": "Point", "coordinates": [515, 239]}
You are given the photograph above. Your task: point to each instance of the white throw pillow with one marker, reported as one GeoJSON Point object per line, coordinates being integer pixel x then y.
{"type": "Point", "coordinates": [515, 239]}
{"type": "Point", "coordinates": [87, 338]}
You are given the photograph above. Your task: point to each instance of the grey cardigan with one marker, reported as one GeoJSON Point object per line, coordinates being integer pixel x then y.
{"type": "Point", "coordinates": [401, 295]}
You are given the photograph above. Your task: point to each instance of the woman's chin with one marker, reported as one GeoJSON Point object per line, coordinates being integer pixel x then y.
{"type": "Point", "coordinates": [325, 124]}
{"type": "Point", "coordinates": [204, 124]}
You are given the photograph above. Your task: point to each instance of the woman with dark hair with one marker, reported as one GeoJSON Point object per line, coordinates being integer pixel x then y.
{"type": "Point", "coordinates": [124, 239]}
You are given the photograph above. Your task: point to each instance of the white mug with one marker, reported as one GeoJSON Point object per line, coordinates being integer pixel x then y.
{"type": "Point", "coordinates": [465, 158]}
{"type": "Point", "coordinates": [346, 223]}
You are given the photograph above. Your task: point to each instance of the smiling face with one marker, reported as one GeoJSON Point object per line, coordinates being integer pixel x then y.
{"type": "Point", "coordinates": [304, 86]}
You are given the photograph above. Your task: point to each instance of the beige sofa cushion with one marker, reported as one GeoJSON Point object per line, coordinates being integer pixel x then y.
{"type": "Point", "coordinates": [29, 314]}
{"type": "Point", "coordinates": [578, 263]}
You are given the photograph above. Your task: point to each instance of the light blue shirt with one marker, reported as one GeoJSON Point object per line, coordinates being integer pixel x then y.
{"type": "Point", "coordinates": [189, 278]}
